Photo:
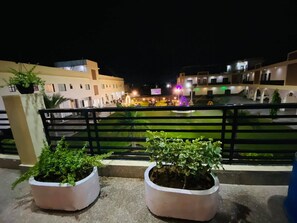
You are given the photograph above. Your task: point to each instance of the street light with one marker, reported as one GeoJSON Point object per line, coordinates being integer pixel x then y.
{"type": "Point", "coordinates": [189, 85]}
{"type": "Point", "coordinates": [178, 89]}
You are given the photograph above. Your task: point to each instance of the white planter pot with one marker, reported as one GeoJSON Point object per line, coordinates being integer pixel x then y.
{"type": "Point", "coordinates": [197, 205]}
{"type": "Point", "coordinates": [49, 195]}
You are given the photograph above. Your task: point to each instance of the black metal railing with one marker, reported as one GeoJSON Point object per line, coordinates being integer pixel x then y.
{"type": "Point", "coordinates": [7, 144]}
{"type": "Point", "coordinates": [249, 134]}
{"type": "Point", "coordinates": [273, 82]}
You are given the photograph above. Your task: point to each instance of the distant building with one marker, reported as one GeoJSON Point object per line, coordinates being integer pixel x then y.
{"type": "Point", "coordinates": [78, 80]}
{"type": "Point", "coordinates": [244, 65]}
{"type": "Point", "coordinates": [257, 82]}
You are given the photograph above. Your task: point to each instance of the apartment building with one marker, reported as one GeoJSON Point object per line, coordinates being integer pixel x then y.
{"type": "Point", "coordinates": [79, 80]}
{"type": "Point", "coordinates": [249, 76]}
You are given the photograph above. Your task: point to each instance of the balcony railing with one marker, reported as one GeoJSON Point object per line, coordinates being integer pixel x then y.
{"type": "Point", "coordinates": [273, 82]}
{"type": "Point", "coordinates": [247, 82]}
{"type": "Point", "coordinates": [7, 144]}
{"type": "Point", "coordinates": [248, 133]}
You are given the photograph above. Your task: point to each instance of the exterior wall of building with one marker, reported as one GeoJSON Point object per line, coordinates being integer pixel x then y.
{"type": "Point", "coordinates": [79, 86]}
{"type": "Point", "coordinates": [292, 74]}
{"type": "Point", "coordinates": [277, 72]}
{"type": "Point", "coordinates": [258, 83]}
{"type": "Point", "coordinates": [203, 83]}
{"type": "Point", "coordinates": [111, 89]}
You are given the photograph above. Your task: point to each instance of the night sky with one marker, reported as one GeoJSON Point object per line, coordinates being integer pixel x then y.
{"type": "Point", "coordinates": [150, 41]}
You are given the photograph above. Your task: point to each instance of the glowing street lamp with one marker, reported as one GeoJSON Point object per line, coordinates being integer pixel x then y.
{"type": "Point", "coordinates": [134, 93]}
{"type": "Point", "coordinates": [178, 89]}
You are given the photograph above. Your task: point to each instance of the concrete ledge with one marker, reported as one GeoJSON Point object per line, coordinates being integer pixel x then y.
{"type": "Point", "coordinates": [232, 174]}
{"type": "Point", "coordinates": [255, 174]}
{"type": "Point", "coordinates": [124, 168]}
{"type": "Point", "coordinates": [9, 161]}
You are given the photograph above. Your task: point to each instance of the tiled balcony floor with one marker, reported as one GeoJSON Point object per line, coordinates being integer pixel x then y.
{"type": "Point", "coordinates": [122, 200]}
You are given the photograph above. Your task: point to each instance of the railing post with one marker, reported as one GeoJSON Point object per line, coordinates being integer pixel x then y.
{"type": "Point", "coordinates": [45, 125]}
{"type": "Point", "coordinates": [233, 135]}
{"type": "Point", "coordinates": [96, 131]}
{"type": "Point", "coordinates": [223, 128]}
{"type": "Point", "coordinates": [86, 114]}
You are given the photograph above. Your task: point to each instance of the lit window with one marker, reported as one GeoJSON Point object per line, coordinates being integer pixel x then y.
{"type": "Point", "coordinates": [62, 87]}
{"type": "Point", "coordinates": [49, 88]}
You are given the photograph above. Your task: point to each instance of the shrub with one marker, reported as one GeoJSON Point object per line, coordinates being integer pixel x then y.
{"type": "Point", "coordinates": [62, 165]}
{"type": "Point", "coordinates": [183, 158]}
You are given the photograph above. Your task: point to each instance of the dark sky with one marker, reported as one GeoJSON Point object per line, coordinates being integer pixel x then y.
{"type": "Point", "coordinates": [149, 41]}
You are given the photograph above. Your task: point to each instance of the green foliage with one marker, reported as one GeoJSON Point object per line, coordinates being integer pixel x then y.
{"type": "Point", "coordinates": [53, 101]}
{"type": "Point", "coordinates": [62, 165]}
{"type": "Point", "coordinates": [25, 78]}
{"type": "Point", "coordinates": [276, 99]}
{"type": "Point", "coordinates": [198, 156]}
{"type": "Point", "coordinates": [241, 113]}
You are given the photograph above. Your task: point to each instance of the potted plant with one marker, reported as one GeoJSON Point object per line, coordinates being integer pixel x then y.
{"type": "Point", "coordinates": [180, 182]}
{"type": "Point", "coordinates": [25, 80]}
{"type": "Point", "coordinates": [63, 178]}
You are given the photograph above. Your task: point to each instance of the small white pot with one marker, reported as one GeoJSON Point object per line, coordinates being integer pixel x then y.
{"type": "Point", "coordinates": [48, 195]}
{"type": "Point", "coordinates": [197, 205]}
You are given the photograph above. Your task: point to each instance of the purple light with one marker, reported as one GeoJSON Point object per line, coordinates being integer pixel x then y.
{"type": "Point", "coordinates": [179, 87]}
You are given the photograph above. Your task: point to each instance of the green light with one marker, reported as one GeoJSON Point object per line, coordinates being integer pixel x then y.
{"type": "Point", "coordinates": [197, 89]}
{"type": "Point", "coordinates": [224, 88]}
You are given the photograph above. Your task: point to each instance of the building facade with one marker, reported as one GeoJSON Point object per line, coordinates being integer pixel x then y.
{"type": "Point", "coordinates": [79, 80]}
{"type": "Point", "coordinates": [257, 82]}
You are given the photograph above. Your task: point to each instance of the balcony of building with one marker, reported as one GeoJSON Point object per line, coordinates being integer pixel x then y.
{"type": "Point", "coordinates": [258, 152]}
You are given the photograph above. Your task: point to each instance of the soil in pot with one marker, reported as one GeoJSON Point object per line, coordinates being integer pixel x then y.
{"type": "Point", "coordinates": [57, 178]}
{"type": "Point", "coordinates": [167, 178]}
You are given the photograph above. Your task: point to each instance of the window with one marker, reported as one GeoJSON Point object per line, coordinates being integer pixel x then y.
{"type": "Point", "coordinates": [96, 92]}
{"type": "Point", "coordinates": [88, 87]}
{"type": "Point", "coordinates": [103, 86]}
{"type": "Point", "coordinates": [80, 86]}
{"type": "Point", "coordinates": [94, 76]}
{"type": "Point", "coordinates": [49, 88]}
{"type": "Point", "coordinates": [70, 86]}
{"type": "Point", "coordinates": [62, 87]}
{"type": "Point", "coordinates": [213, 80]}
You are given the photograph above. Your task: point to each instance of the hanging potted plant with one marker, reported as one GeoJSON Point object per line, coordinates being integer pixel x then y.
{"type": "Point", "coordinates": [180, 182]}
{"type": "Point", "coordinates": [63, 178]}
{"type": "Point", "coordinates": [25, 80]}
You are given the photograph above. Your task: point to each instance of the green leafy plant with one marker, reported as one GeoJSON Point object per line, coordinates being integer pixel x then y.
{"type": "Point", "coordinates": [61, 164]}
{"type": "Point", "coordinates": [25, 78]}
{"type": "Point", "coordinates": [183, 163]}
{"type": "Point", "coordinates": [54, 100]}
{"type": "Point", "coordinates": [276, 99]}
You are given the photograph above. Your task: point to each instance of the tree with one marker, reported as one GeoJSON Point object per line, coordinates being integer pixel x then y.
{"type": "Point", "coordinates": [131, 122]}
{"type": "Point", "coordinates": [54, 101]}
{"type": "Point", "coordinates": [276, 99]}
